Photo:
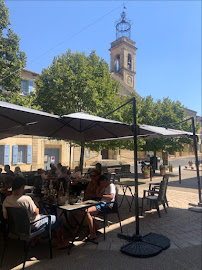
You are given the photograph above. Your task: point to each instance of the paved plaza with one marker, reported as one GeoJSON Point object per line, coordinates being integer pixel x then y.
{"type": "Point", "coordinates": [181, 226]}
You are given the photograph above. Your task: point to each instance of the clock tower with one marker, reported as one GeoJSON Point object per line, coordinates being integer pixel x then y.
{"type": "Point", "coordinates": [123, 53]}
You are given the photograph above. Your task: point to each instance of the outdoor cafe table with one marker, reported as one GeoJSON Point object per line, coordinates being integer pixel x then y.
{"type": "Point", "coordinates": [26, 188]}
{"type": "Point", "coordinates": [71, 209]}
{"type": "Point", "coordinates": [126, 185]}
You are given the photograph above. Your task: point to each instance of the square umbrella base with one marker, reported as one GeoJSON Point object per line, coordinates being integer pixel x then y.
{"type": "Point", "coordinates": [146, 246]}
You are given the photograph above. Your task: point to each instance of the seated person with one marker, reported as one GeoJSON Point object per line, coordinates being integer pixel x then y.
{"type": "Point", "coordinates": [76, 173]}
{"type": "Point", "coordinates": [8, 170]}
{"type": "Point", "coordinates": [90, 192]}
{"type": "Point", "coordinates": [7, 184]}
{"type": "Point", "coordinates": [52, 176]}
{"type": "Point", "coordinates": [1, 176]}
{"type": "Point", "coordinates": [52, 171]}
{"type": "Point", "coordinates": [58, 170]}
{"type": "Point", "coordinates": [18, 172]}
{"type": "Point", "coordinates": [98, 167]}
{"type": "Point", "coordinates": [106, 191]}
{"type": "Point", "coordinates": [41, 172]}
{"type": "Point", "coordinates": [17, 199]}
{"type": "Point", "coordinates": [64, 175]}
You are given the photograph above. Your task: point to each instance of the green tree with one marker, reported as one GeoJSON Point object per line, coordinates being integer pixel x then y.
{"type": "Point", "coordinates": [75, 82]}
{"type": "Point", "coordinates": [12, 60]}
{"type": "Point", "coordinates": [165, 113]}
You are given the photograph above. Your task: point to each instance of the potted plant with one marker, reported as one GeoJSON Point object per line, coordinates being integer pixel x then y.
{"type": "Point", "coordinates": [162, 169]}
{"type": "Point", "coordinates": [170, 167]}
{"type": "Point", "coordinates": [146, 171]}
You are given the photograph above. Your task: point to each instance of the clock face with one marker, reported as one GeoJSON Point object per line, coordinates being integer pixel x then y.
{"type": "Point", "coordinates": [129, 80]}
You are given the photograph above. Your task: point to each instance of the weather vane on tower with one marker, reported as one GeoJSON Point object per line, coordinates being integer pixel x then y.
{"type": "Point", "coordinates": [123, 26]}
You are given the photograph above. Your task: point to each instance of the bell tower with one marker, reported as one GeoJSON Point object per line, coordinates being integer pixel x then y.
{"type": "Point", "coordinates": [123, 53]}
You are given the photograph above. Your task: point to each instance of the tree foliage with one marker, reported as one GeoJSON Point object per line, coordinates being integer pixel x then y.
{"type": "Point", "coordinates": [163, 113]}
{"type": "Point", "coordinates": [75, 82]}
{"type": "Point", "coordinates": [12, 60]}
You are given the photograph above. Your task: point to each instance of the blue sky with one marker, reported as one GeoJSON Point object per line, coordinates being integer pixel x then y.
{"type": "Point", "coordinates": [167, 35]}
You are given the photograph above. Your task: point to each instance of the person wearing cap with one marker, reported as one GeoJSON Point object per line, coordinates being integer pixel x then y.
{"type": "Point", "coordinates": [17, 199]}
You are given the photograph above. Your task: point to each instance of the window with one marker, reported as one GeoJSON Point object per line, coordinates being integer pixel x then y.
{"type": "Point", "coordinates": [87, 153]}
{"type": "Point", "coordinates": [24, 87]}
{"type": "Point", "coordinates": [117, 62]}
{"type": "Point", "coordinates": [1, 154]}
{"type": "Point", "coordinates": [31, 87]}
{"type": "Point", "coordinates": [4, 154]}
{"type": "Point", "coordinates": [22, 153]}
{"type": "Point", "coordinates": [27, 87]}
{"type": "Point", "coordinates": [129, 61]}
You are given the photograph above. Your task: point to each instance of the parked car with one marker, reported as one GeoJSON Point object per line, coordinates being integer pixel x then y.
{"type": "Point", "coordinates": [149, 156]}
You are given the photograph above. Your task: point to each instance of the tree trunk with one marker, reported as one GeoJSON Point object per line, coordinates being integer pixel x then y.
{"type": "Point", "coordinates": [165, 158]}
{"type": "Point", "coordinates": [82, 156]}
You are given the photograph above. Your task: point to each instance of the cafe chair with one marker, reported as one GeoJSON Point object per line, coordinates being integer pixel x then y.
{"type": "Point", "coordinates": [38, 181]}
{"type": "Point", "coordinates": [156, 186]}
{"type": "Point", "coordinates": [19, 227]}
{"type": "Point", "coordinates": [2, 235]}
{"type": "Point", "coordinates": [108, 211]}
{"type": "Point", "coordinates": [156, 197]}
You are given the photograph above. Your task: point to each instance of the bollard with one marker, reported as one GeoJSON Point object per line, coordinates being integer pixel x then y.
{"type": "Point", "coordinates": [151, 171]}
{"type": "Point", "coordinates": [180, 174]}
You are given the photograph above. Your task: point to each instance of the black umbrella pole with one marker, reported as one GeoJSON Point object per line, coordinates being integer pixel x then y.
{"type": "Point", "coordinates": [152, 243]}
{"type": "Point", "coordinates": [196, 160]}
{"type": "Point", "coordinates": [135, 167]}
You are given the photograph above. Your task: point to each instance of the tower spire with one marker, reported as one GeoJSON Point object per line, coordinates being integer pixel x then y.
{"type": "Point", "coordinates": [123, 26]}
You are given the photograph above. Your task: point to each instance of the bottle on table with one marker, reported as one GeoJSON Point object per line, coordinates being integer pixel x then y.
{"type": "Point", "coordinates": [82, 196]}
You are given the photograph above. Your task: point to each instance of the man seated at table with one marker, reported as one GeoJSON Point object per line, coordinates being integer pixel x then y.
{"type": "Point", "coordinates": [106, 191]}
{"type": "Point", "coordinates": [76, 174]}
{"type": "Point", "coordinates": [41, 172]}
{"type": "Point", "coordinates": [17, 199]}
{"type": "Point", "coordinates": [8, 170]}
{"type": "Point", "coordinates": [98, 167]}
{"type": "Point", "coordinates": [65, 176]}
{"type": "Point", "coordinates": [90, 192]}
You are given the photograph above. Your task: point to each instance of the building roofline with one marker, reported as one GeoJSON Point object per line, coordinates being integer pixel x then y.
{"type": "Point", "coordinates": [27, 70]}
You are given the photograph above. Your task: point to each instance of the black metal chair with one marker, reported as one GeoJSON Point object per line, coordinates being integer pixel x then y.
{"type": "Point", "coordinates": [156, 197]}
{"type": "Point", "coordinates": [38, 181]}
{"type": "Point", "coordinates": [156, 186]}
{"type": "Point", "coordinates": [107, 211]}
{"type": "Point", "coordinates": [19, 227]}
{"type": "Point", "coordinates": [2, 235]}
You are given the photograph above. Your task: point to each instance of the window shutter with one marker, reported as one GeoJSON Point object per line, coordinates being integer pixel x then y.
{"type": "Point", "coordinates": [15, 154]}
{"type": "Point", "coordinates": [29, 154]}
{"type": "Point", "coordinates": [6, 154]}
{"type": "Point", "coordinates": [31, 87]}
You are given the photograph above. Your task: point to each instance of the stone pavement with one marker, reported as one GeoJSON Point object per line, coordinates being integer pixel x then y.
{"type": "Point", "coordinates": [181, 226]}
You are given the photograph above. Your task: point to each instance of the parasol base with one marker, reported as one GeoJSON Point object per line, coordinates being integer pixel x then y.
{"type": "Point", "coordinates": [147, 246]}
{"type": "Point", "coordinates": [196, 207]}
